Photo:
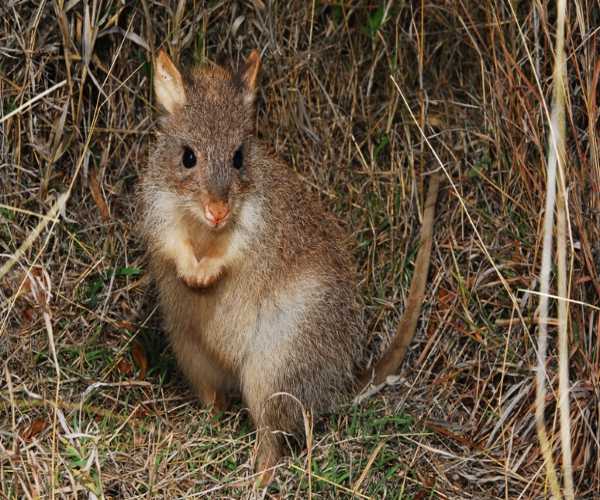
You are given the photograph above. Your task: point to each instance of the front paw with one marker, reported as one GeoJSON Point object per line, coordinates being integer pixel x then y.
{"type": "Point", "coordinates": [202, 274]}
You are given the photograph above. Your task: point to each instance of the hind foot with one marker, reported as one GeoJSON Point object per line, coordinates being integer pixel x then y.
{"type": "Point", "coordinates": [268, 456]}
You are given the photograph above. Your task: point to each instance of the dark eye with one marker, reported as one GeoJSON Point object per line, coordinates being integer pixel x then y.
{"type": "Point", "coordinates": [188, 158]}
{"type": "Point", "coordinates": [238, 158]}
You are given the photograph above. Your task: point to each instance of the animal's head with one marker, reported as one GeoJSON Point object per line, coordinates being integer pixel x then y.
{"type": "Point", "coordinates": [203, 147]}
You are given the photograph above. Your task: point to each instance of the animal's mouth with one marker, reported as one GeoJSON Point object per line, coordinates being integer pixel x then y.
{"type": "Point", "coordinates": [216, 214]}
{"type": "Point", "coordinates": [198, 212]}
{"type": "Point", "coordinates": [217, 225]}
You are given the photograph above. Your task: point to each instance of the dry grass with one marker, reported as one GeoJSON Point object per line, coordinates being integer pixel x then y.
{"type": "Point", "coordinates": [90, 400]}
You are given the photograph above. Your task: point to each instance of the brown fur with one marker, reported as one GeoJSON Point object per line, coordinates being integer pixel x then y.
{"type": "Point", "coordinates": [266, 305]}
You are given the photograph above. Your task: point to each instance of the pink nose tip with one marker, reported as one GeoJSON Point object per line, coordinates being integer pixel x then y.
{"type": "Point", "coordinates": [216, 212]}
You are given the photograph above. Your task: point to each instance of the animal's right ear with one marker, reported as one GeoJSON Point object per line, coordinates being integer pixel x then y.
{"type": "Point", "coordinates": [168, 84]}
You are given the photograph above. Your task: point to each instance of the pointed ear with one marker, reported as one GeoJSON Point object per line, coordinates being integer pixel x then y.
{"type": "Point", "coordinates": [248, 75]}
{"type": "Point", "coordinates": [168, 84]}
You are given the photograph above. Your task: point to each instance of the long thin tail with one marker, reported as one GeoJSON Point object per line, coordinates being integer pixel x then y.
{"type": "Point", "coordinates": [393, 357]}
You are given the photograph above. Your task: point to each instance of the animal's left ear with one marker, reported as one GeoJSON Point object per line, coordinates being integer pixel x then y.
{"type": "Point", "coordinates": [248, 74]}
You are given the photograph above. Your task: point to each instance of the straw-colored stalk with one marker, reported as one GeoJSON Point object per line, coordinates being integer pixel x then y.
{"type": "Point", "coordinates": [556, 157]}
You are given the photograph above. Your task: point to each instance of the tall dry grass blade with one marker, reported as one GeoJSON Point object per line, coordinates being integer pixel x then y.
{"type": "Point", "coordinates": [558, 107]}
{"type": "Point", "coordinates": [32, 101]}
{"type": "Point", "coordinates": [556, 142]}
{"type": "Point", "coordinates": [57, 207]}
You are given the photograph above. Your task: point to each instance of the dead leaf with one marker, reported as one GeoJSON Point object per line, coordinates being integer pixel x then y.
{"type": "Point", "coordinates": [126, 325]}
{"type": "Point", "coordinates": [445, 296]}
{"type": "Point", "coordinates": [35, 428]}
{"type": "Point", "coordinates": [435, 121]}
{"type": "Point", "coordinates": [97, 194]}
{"type": "Point", "coordinates": [124, 367]}
{"type": "Point", "coordinates": [517, 251]}
{"type": "Point", "coordinates": [583, 279]}
{"type": "Point", "coordinates": [141, 411]}
{"type": "Point", "coordinates": [140, 358]}
{"type": "Point", "coordinates": [440, 429]}
{"type": "Point", "coordinates": [28, 315]}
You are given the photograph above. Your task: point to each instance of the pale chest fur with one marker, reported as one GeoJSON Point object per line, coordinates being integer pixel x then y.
{"type": "Point", "coordinates": [180, 237]}
{"type": "Point", "coordinates": [245, 318]}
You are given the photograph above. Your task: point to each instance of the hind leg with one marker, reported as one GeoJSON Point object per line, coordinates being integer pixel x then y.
{"type": "Point", "coordinates": [210, 381]}
{"type": "Point", "coordinates": [212, 384]}
{"type": "Point", "coordinates": [212, 397]}
{"type": "Point", "coordinates": [275, 415]}
{"type": "Point", "coordinates": [270, 452]}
